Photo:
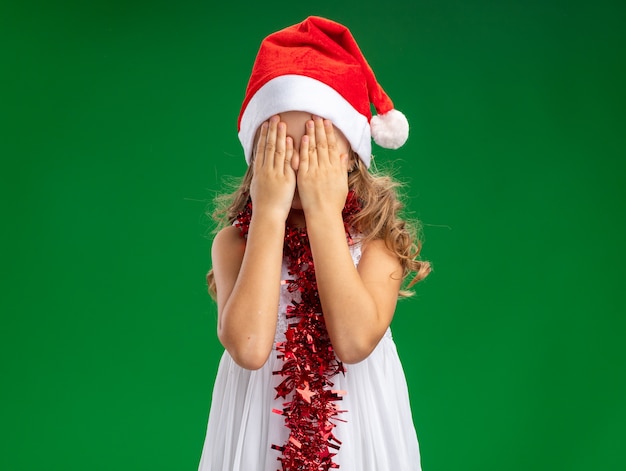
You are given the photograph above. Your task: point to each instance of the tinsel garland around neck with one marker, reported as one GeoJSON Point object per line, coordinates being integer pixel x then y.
{"type": "Point", "coordinates": [309, 361]}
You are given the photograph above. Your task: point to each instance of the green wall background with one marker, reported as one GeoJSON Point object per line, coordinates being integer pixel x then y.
{"type": "Point", "coordinates": [118, 121]}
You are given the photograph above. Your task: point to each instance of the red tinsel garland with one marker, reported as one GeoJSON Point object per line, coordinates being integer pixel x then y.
{"type": "Point", "coordinates": [309, 361]}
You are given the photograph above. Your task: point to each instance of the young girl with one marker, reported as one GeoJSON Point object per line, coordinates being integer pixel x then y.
{"type": "Point", "coordinates": [308, 268]}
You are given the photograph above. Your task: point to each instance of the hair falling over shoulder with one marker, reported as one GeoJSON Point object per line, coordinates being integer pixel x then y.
{"type": "Point", "coordinates": [379, 218]}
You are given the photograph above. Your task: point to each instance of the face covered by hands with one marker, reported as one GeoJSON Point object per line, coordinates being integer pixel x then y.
{"type": "Point", "coordinates": [301, 162]}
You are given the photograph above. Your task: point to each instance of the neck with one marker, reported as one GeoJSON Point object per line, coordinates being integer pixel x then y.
{"type": "Point", "coordinates": [296, 219]}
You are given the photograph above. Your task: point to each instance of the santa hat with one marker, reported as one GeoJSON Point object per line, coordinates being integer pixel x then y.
{"type": "Point", "coordinates": [316, 66]}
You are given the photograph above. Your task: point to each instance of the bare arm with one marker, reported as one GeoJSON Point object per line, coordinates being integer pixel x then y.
{"type": "Point", "coordinates": [247, 280]}
{"type": "Point", "coordinates": [358, 303]}
{"type": "Point", "coordinates": [247, 275]}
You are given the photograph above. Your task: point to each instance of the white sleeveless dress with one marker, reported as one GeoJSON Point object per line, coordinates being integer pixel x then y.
{"type": "Point", "coordinates": [378, 433]}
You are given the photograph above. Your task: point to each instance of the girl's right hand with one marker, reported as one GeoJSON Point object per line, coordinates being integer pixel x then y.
{"type": "Point", "coordinates": [274, 180]}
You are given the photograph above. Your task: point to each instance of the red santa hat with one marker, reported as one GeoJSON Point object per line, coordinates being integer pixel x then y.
{"type": "Point", "coordinates": [316, 66]}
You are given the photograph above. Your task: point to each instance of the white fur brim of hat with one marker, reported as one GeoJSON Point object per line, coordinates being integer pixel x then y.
{"type": "Point", "coordinates": [302, 93]}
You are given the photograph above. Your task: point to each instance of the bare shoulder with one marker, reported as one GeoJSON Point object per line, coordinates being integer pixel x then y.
{"type": "Point", "coordinates": [229, 236]}
{"type": "Point", "coordinates": [378, 260]}
{"type": "Point", "coordinates": [378, 248]}
{"type": "Point", "coordinates": [381, 272]}
{"type": "Point", "coordinates": [227, 245]}
{"type": "Point", "coordinates": [226, 257]}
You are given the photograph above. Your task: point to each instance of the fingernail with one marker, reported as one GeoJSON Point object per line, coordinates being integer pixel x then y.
{"type": "Point", "coordinates": [310, 124]}
{"type": "Point", "coordinates": [274, 119]}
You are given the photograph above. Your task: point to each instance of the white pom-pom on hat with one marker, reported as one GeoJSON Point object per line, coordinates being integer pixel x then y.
{"type": "Point", "coordinates": [390, 130]}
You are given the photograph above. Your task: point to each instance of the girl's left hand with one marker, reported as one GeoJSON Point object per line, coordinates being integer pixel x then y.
{"type": "Point", "coordinates": [323, 170]}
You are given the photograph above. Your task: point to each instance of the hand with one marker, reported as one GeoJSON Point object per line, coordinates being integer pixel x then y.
{"type": "Point", "coordinates": [273, 181]}
{"type": "Point", "coordinates": [322, 170]}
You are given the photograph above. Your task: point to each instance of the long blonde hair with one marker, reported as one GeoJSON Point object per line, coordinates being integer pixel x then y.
{"type": "Point", "coordinates": [379, 218]}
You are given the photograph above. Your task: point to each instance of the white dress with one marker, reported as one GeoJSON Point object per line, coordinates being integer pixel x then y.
{"type": "Point", "coordinates": [378, 433]}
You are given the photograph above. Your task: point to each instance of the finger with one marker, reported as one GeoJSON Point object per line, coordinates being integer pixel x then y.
{"type": "Point", "coordinates": [295, 160]}
{"type": "Point", "coordinates": [303, 156]}
{"type": "Point", "coordinates": [321, 143]}
{"type": "Point", "coordinates": [331, 139]}
{"type": "Point", "coordinates": [288, 154]}
{"type": "Point", "coordinates": [270, 143]}
{"type": "Point", "coordinates": [279, 154]}
{"type": "Point", "coordinates": [259, 153]}
{"type": "Point", "coordinates": [311, 150]}
{"type": "Point", "coordinates": [344, 160]}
